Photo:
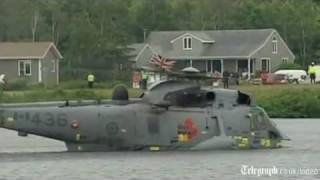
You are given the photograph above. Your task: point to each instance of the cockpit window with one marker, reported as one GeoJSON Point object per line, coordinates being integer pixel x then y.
{"type": "Point", "coordinates": [210, 96]}
{"type": "Point", "coordinates": [190, 98]}
{"type": "Point", "coordinates": [243, 98]}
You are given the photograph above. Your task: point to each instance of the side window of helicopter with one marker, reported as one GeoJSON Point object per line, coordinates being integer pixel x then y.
{"type": "Point", "coordinates": [261, 123]}
{"type": "Point", "coordinates": [258, 122]}
{"type": "Point", "coordinates": [190, 99]}
{"type": "Point", "coordinates": [243, 98]}
{"type": "Point", "coordinates": [210, 96]}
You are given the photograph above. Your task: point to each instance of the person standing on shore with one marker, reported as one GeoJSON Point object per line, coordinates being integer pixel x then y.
{"type": "Point", "coordinates": [312, 73]}
{"type": "Point", "coordinates": [91, 80]}
{"type": "Point", "coordinates": [144, 80]}
{"type": "Point", "coordinates": [225, 78]}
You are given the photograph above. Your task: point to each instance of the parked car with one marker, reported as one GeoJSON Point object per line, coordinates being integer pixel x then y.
{"type": "Point", "coordinates": [294, 75]}
{"type": "Point", "coordinates": [271, 78]}
{"type": "Point", "coordinates": [2, 79]}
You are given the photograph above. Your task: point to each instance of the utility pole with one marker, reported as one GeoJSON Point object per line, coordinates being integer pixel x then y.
{"type": "Point", "coordinates": [303, 44]}
{"type": "Point", "coordinates": [34, 25]}
{"type": "Point", "coordinates": [144, 34]}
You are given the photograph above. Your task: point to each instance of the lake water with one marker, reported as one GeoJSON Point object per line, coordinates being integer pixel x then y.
{"type": "Point", "coordinates": [41, 159]}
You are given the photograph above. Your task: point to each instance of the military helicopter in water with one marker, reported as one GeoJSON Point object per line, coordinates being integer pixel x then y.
{"type": "Point", "coordinates": [170, 115]}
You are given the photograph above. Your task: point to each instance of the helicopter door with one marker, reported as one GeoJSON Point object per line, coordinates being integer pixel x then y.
{"type": "Point", "coordinates": [212, 121]}
{"type": "Point", "coordinates": [117, 128]}
{"type": "Point", "coordinates": [148, 125]}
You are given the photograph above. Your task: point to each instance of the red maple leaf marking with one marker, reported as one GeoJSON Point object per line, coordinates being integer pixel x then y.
{"type": "Point", "coordinates": [190, 128]}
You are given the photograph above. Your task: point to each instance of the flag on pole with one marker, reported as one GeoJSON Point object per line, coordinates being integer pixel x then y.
{"type": "Point", "coordinates": [162, 62]}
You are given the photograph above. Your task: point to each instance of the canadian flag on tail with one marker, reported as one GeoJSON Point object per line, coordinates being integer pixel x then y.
{"type": "Point", "coordinates": [161, 62]}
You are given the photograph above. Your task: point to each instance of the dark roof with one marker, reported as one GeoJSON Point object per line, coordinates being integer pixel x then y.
{"type": "Point", "coordinates": [28, 50]}
{"type": "Point", "coordinates": [225, 43]}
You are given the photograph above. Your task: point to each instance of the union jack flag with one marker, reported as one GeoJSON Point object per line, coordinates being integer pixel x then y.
{"type": "Point", "coordinates": [161, 62]}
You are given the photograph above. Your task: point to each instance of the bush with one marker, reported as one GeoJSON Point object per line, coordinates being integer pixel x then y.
{"type": "Point", "coordinates": [290, 66]}
{"type": "Point", "coordinates": [82, 84]}
{"type": "Point", "coordinates": [100, 74]}
{"type": "Point", "coordinates": [83, 94]}
{"type": "Point", "coordinates": [1, 93]}
{"type": "Point", "coordinates": [288, 101]}
{"type": "Point", "coordinates": [59, 94]}
{"type": "Point", "coordinates": [74, 84]}
{"type": "Point", "coordinates": [19, 84]}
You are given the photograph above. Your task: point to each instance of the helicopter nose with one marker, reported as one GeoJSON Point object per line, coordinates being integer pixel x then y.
{"type": "Point", "coordinates": [273, 129]}
{"type": "Point", "coordinates": [276, 131]}
{"type": "Point", "coordinates": [262, 118]}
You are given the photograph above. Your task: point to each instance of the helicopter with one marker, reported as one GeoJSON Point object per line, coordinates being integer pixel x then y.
{"type": "Point", "coordinates": [170, 115]}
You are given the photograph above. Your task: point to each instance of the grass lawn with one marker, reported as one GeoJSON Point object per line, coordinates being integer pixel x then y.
{"type": "Point", "coordinates": [287, 101]}
{"type": "Point", "coordinates": [265, 91]}
{"type": "Point", "coordinates": [59, 94]}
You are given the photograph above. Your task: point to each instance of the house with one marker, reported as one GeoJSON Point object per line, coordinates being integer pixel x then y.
{"type": "Point", "coordinates": [37, 62]}
{"type": "Point", "coordinates": [240, 51]}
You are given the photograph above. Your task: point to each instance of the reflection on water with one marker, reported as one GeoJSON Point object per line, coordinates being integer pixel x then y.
{"type": "Point", "coordinates": [38, 158]}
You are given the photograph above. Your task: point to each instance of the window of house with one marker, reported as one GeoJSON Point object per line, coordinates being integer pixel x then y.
{"type": "Point", "coordinates": [187, 43]}
{"type": "Point", "coordinates": [188, 63]}
{"type": "Point", "coordinates": [285, 60]}
{"type": "Point", "coordinates": [24, 68]}
{"type": "Point", "coordinates": [265, 65]}
{"type": "Point", "coordinates": [209, 66]}
{"type": "Point", "coordinates": [274, 45]}
{"type": "Point", "coordinates": [53, 62]}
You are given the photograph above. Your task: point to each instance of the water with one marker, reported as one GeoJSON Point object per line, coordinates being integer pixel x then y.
{"type": "Point", "coordinates": [38, 158]}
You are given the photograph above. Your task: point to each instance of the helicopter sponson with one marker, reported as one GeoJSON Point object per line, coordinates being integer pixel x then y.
{"type": "Point", "coordinates": [171, 115]}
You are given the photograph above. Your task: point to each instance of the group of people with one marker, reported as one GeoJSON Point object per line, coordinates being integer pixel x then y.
{"type": "Point", "coordinates": [226, 77]}
{"type": "Point", "coordinates": [144, 78]}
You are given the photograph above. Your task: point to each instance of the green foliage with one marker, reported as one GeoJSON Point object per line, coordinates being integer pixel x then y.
{"type": "Point", "coordinates": [290, 66]}
{"type": "Point", "coordinates": [293, 104]}
{"type": "Point", "coordinates": [83, 94]}
{"type": "Point", "coordinates": [75, 84]}
{"type": "Point", "coordinates": [1, 93]}
{"type": "Point", "coordinates": [82, 84]}
{"type": "Point", "coordinates": [19, 84]}
{"type": "Point", "coordinates": [288, 101]}
{"type": "Point", "coordinates": [59, 95]}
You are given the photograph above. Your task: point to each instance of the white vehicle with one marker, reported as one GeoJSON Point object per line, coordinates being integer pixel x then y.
{"type": "Point", "coordinates": [294, 75]}
{"type": "Point", "coordinates": [2, 79]}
